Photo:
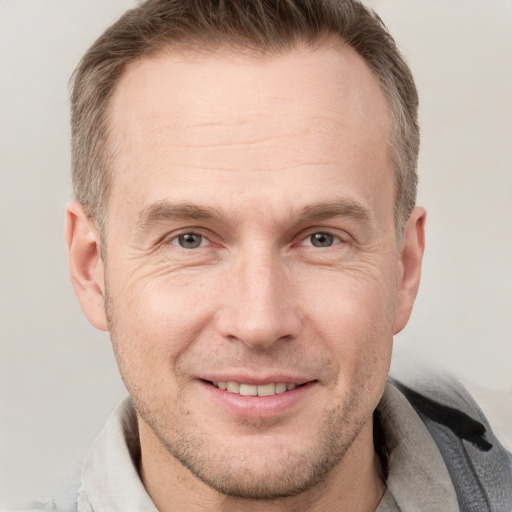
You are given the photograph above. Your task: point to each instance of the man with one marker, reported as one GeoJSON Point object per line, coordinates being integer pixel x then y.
{"type": "Point", "coordinates": [245, 228]}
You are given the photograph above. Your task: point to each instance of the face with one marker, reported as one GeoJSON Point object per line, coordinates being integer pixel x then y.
{"type": "Point", "coordinates": [252, 276]}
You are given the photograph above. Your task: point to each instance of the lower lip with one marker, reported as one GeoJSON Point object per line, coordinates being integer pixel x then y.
{"type": "Point", "coordinates": [258, 407]}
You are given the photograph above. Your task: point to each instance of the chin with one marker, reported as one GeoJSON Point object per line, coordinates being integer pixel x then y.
{"type": "Point", "coordinates": [268, 478]}
{"type": "Point", "coordinates": [261, 466]}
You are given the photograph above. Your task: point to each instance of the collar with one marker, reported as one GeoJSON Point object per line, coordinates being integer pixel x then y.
{"type": "Point", "coordinates": [417, 479]}
{"type": "Point", "coordinates": [110, 479]}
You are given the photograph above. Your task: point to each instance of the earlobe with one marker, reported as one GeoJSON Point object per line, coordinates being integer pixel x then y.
{"type": "Point", "coordinates": [85, 264]}
{"type": "Point", "coordinates": [411, 257]}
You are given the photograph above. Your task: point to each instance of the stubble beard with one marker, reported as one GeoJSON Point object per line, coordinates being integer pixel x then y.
{"type": "Point", "coordinates": [240, 473]}
{"type": "Point", "coordinates": [255, 474]}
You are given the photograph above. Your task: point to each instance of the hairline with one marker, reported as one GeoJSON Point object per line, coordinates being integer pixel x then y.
{"type": "Point", "coordinates": [108, 154]}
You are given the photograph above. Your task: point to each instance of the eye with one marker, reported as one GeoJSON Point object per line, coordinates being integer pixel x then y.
{"type": "Point", "coordinates": [321, 240]}
{"type": "Point", "coordinates": [190, 241]}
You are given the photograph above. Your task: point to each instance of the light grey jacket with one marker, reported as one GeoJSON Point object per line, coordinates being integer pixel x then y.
{"type": "Point", "coordinates": [443, 456]}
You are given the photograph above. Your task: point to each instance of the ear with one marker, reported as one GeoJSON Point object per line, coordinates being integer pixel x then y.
{"type": "Point", "coordinates": [411, 257]}
{"type": "Point", "coordinates": [85, 264]}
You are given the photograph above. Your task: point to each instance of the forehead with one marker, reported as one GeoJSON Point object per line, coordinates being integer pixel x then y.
{"type": "Point", "coordinates": [221, 120]}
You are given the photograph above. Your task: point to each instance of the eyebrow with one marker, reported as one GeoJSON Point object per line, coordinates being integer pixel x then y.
{"type": "Point", "coordinates": [337, 208]}
{"type": "Point", "coordinates": [167, 211]}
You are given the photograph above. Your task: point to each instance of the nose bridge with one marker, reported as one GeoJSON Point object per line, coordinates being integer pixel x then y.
{"type": "Point", "coordinates": [259, 310]}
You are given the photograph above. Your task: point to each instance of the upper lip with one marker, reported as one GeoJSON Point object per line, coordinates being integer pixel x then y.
{"type": "Point", "coordinates": [256, 380]}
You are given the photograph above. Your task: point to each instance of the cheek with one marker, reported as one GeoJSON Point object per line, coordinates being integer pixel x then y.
{"type": "Point", "coordinates": [351, 301]}
{"type": "Point", "coordinates": [164, 303]}
{"type": "Point", "coordinates": [353, 315]}
{"type": "Point", "coordinates": [153, 322]}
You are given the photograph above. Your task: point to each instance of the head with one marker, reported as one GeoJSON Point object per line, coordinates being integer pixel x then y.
{"type": "Point", "coordinates": [257, 27]}
{"type": "Point", "coordinates": [245, 176]}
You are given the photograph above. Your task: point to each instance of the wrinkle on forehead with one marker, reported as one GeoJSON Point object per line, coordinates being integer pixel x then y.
{"type": "Point", "coordinates": [200, 96]}
{"type": "Point", "coordinates": [313, 122]}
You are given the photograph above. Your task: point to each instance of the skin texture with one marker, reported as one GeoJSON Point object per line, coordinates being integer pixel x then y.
{"type": "Point", "coordinates": [254, 155]}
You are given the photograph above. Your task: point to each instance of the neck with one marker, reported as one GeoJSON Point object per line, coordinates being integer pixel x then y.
{"type": "Point", "coordinates": [355, 484]}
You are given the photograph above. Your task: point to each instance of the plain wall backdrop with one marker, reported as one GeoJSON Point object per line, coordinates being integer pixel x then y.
{"type": "Point", "coordinates": [58, 379]}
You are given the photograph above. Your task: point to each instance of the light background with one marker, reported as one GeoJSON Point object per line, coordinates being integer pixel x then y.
{"type": "Point", "coordinates": [58, 379]}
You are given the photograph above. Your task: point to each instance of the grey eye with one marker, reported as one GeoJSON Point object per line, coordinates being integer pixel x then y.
{"type": "Point", "coordinates": [321, 240]}
{"type": "Point", "coordinates": [190, 240]}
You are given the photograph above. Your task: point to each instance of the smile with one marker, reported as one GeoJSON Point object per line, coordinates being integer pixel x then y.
{"type": "Point", "coordinates": [244, 389]}
{"type": "Point", "coordinates": [258, 399]}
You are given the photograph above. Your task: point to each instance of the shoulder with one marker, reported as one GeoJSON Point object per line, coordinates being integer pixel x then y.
{"type": "Point", "coordinates": [479, 466]}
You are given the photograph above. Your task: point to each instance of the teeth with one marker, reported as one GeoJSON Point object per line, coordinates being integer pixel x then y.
{"type": "Point", "coordinates": [266, 389]}
{"type": "Point", "coordinates": [248, 390]}
{"type": "Point", "coordinates": [280, 388]}
{"type": "Point", "coordinates": [233, 387]}
{"type": "Point", "coordinates": [254, 390]}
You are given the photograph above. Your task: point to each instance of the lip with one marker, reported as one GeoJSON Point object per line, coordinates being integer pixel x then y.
{"type": "Point", "coordinates": [258, 407]}
{"type": "Point", "coordinates": [254, 380]}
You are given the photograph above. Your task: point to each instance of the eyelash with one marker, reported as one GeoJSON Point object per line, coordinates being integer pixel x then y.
{"type": "Point", "coordinates": [176, 240]}
{"type": "Point", "coordinates": [334, 239]}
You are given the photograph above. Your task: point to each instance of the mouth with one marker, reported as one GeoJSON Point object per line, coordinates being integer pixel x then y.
{"type": "Point", "coordinates": [265, 399]}
{"type": "Point", "coordinates": [246, 389]}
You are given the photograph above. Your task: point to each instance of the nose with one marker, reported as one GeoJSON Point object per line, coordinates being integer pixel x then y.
{"type": "Point", "coordinates": [260, 305]}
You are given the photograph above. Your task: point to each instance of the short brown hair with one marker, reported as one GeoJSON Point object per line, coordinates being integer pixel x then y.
{"type": "Point", "coordinates": [264, 26]}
